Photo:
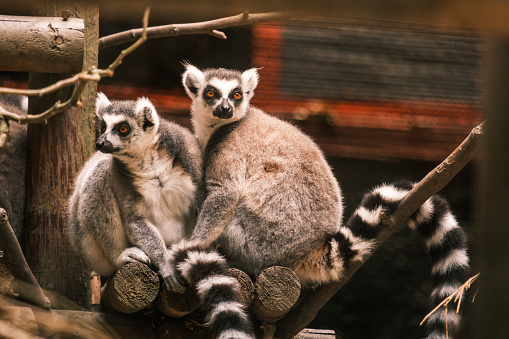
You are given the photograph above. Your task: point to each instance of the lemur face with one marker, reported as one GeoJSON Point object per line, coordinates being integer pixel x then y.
{"type": "Point", "coordinates": [223, 97]}
{"type": "Point", "coordinates": [125, 126]}
{"type": "Point", "coordinates": [220, 93]}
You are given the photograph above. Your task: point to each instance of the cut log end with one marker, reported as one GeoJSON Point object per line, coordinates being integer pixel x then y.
{"type": "Point", "coordinates": [134, 287]}
{"type": "Point", "coordinates": [177, 305]}
{"type": "Point", "coordinates": [246, 285]}
{"type": "Point", "coordinates": [277, 290]}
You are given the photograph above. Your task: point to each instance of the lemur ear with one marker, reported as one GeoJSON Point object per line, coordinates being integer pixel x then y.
{"type": "Point", "coordinates": [249, 80]}
{"type": "Point", "coordinates": [101, 102]}
{"type": "Point", "coordinates": [192, 80]}
{"type": "Point", "coordinates": [146, 114]}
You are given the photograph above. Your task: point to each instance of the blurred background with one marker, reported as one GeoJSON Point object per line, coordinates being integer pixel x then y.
{"type": "Point", "coordinates": [384, 99]}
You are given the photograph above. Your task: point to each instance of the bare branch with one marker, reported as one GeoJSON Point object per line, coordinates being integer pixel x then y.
{"type": "Point", "coordinates": [307, 309]}
{"type": "Point", "coordinates": [206, 27]}
{"type": "Point", "coordinates": [438, 178]}
{"type": "Point", "coordinates": [79, 80]}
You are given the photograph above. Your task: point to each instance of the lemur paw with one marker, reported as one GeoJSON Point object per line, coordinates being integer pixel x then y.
{"type": "Point", "coordinates": [132, 254]}
{"type": "Point", "coordinates": [173, 280]}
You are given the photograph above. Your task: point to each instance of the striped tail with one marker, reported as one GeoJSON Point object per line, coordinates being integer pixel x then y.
{"type": "Point", "coordinates": [219, 293]}
{"type": "Point", "coordinates": [445, 240]}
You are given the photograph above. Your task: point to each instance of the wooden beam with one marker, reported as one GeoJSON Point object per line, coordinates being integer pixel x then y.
{"type": "Point", "coordinates": [41, 44]}
{"type": "Point", "coordinates": [487, 15]}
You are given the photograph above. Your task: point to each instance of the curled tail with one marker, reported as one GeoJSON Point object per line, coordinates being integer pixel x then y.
{"type": "Point", "coordinates": [445, 240]}
{"type": "Point", "coordinates": [219, 293]}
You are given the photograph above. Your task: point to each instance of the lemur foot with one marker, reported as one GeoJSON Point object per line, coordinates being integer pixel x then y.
{"type": "Point", "coordinates": [132, 254]}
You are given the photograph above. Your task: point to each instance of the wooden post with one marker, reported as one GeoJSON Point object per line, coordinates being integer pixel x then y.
{"type": "Point", "coordinates": [491, 307]}
{"type": "Point", "coordinates": [56, 152]}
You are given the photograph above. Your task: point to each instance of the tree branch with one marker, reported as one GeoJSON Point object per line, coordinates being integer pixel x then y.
{"type": "Point", "coordinates": [307, 309]}
{"type": "Point", "coordinates": [210, 27]}
{"type": "Point", "coordinates": [79, 80]}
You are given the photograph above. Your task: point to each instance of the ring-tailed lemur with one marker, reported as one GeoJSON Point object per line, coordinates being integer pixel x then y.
{"type": "Point", "coordinates": [137, 195]}
{"type": "Point", "coordinates": [272, 199]}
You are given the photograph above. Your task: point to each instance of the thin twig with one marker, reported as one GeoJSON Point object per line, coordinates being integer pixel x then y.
{"type": "Point", "coordinates": [79, 80]}
{"type": "Point", "coordinates": [210, 27]}
{"type": "Point", "coordinates": [456, 296]}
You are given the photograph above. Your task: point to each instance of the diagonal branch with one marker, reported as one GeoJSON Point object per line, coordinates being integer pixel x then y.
{"type": "Point", "coordinates": [14, 259]}
{"type": "Point", "coordinates": [210, 27]}
{"type": "Point", "coordinates": [308, 308]}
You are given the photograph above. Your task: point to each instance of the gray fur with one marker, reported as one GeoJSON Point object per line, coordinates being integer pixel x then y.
{"type": "Point", "coordinates": [136, 196]}
{"type": "Point", "coordinates": [13, 165]}
{"type": "Point", "coordinates": [271, 198]}
{"type": "Point", "coordinates": [270, 195]}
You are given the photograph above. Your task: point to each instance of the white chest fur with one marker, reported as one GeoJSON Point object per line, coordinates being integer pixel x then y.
{"type": "Point", "coordinates": [167, 193]}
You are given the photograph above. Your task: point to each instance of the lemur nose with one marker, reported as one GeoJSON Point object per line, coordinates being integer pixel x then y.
{"type": "Point", "coordinates": [225, 106]}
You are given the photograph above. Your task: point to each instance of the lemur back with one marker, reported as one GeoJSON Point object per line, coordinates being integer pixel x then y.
{"type": "Point", "coordinates": [272, 199]}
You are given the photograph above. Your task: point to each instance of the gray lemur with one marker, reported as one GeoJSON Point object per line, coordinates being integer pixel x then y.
{"type": "Point", "coordinates": [137, 195]}
{"type": "Point", "coordinates": [272, 199]}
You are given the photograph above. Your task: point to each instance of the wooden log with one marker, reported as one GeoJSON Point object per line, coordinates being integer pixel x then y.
{"type": "Point", "coordinates": [41, 44]}
{"type": "Point", "coordinates": [56, 153]}
{"type": "Point", "coordinates": [177, 305]}
{"type": "Point", "coordinates": [25, 283]}
{"type": "Point", "coordinates": [311, 333]}
{"type": "Point", "coordinates": [246, 285]}
{"type": "Point", "coordinates": [132, 288]}
{"type": "Point", "coordinates": [20, 318]}
{"type": "Point", "coordinates": [277, 289]}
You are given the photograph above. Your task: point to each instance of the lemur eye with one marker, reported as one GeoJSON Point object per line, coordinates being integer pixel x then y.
{"type": "Point", "coordinates": [210, 93]}
{"type": "Point", "coordinates": [123, 129]}
{"type": "Point", "coordinates": [237, 96]}
{"type": "Point", "coordinates": [103, 128]}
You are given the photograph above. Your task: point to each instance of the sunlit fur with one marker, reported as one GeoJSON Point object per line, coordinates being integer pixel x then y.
{"type": "Point", "coordinates": [272, 199]}
{"type": "Point", "coordinates": [139, 197]}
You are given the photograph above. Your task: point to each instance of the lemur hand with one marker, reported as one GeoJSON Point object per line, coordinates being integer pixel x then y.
{"type": "Point", "coordinates": [172, 279]}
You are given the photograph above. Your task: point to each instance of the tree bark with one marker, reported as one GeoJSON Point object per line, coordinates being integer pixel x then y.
{"type": "Point", "coordinates": [56, 152]}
